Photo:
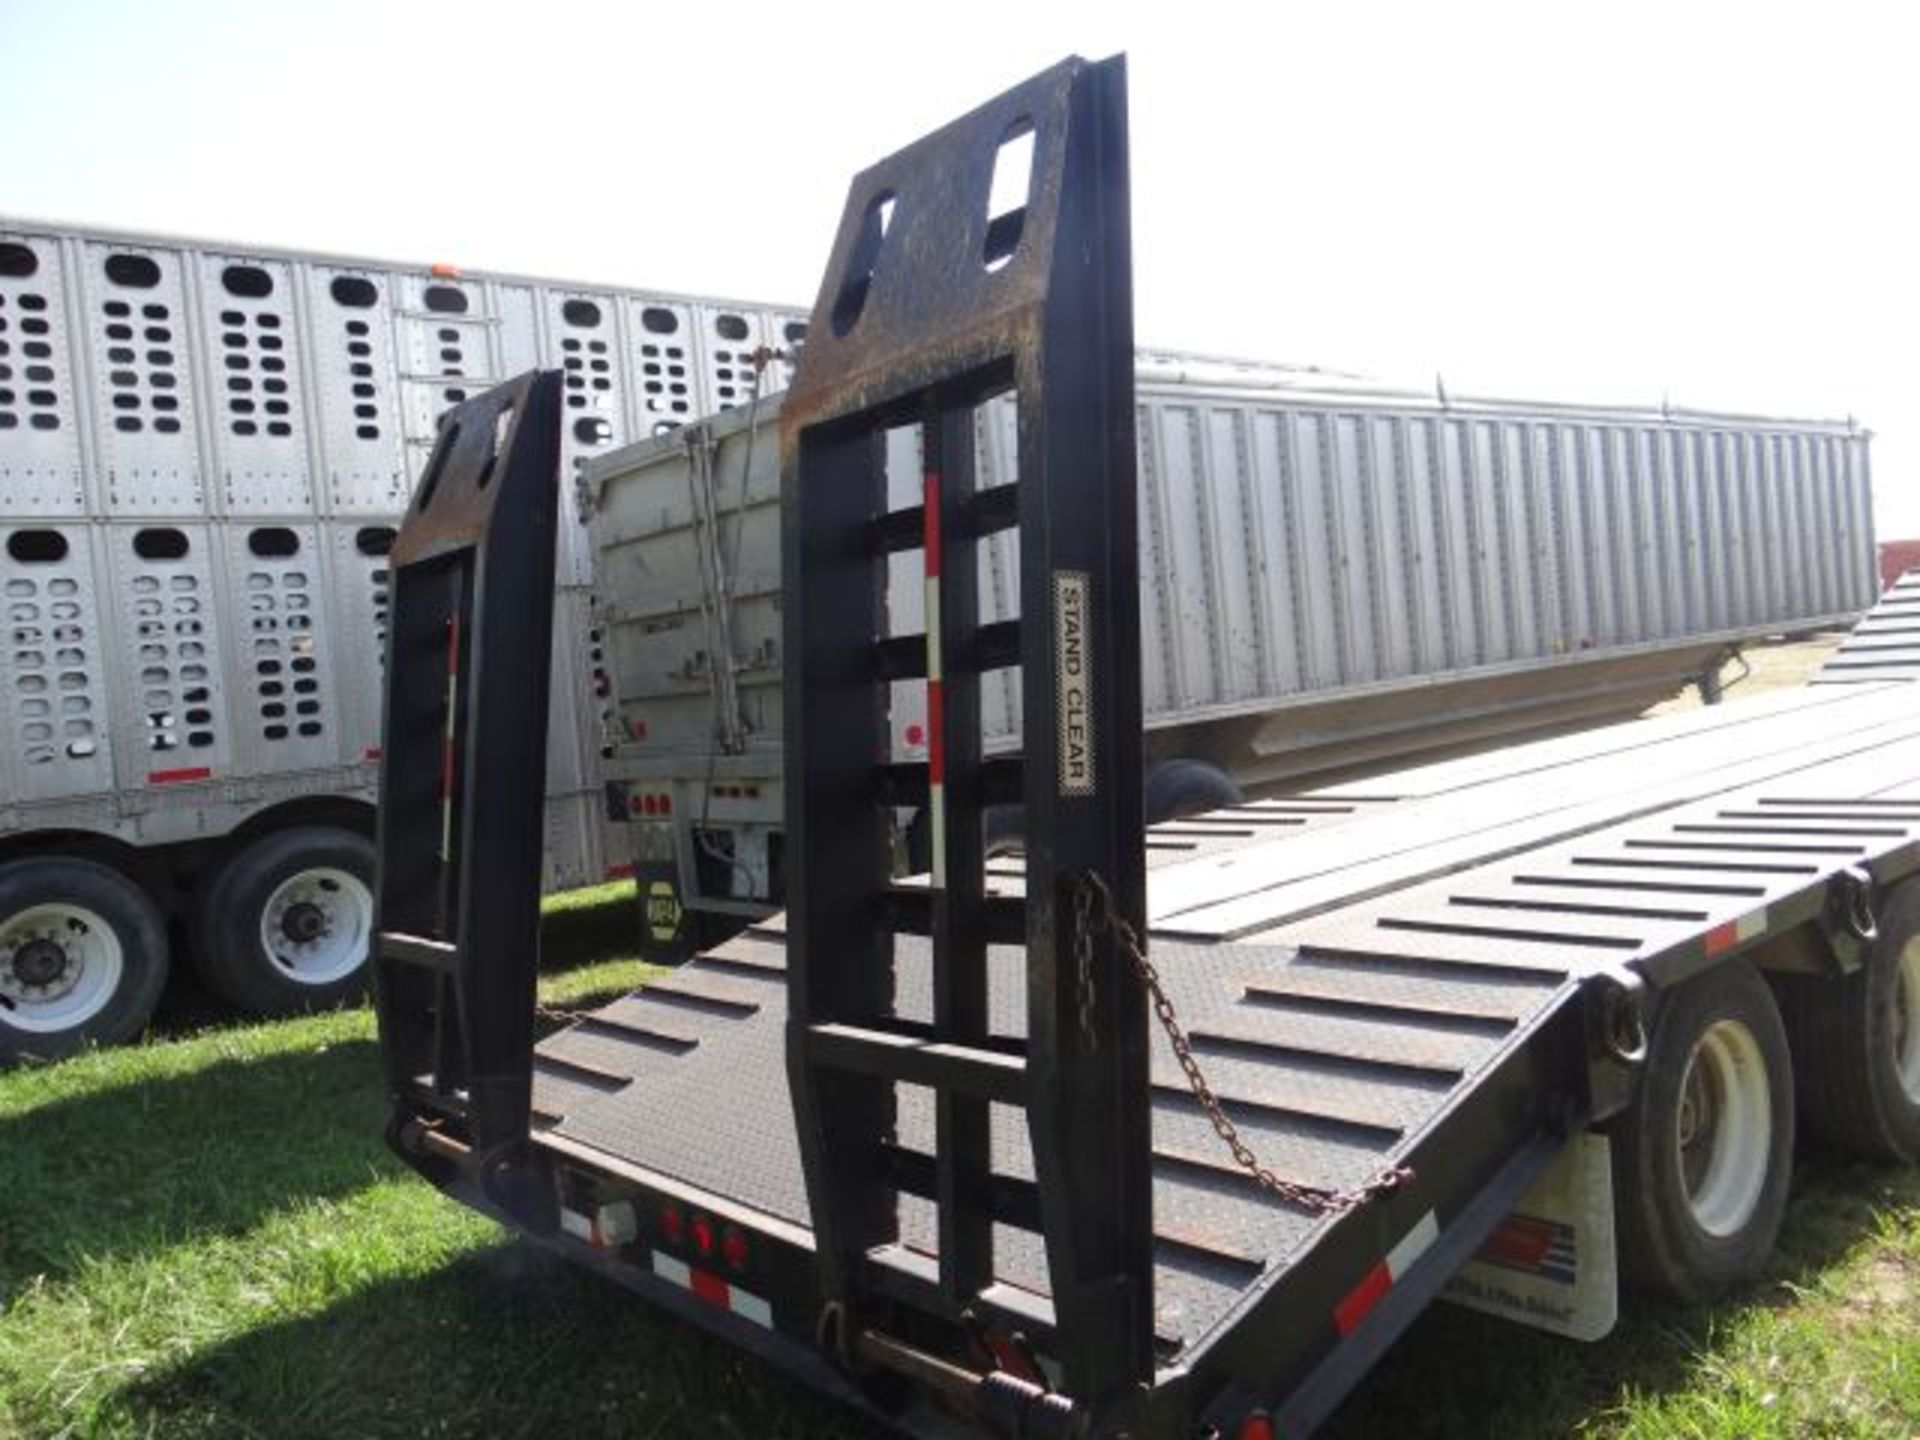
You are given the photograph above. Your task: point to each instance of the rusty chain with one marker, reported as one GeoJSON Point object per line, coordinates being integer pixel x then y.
{"type": "Point", "coordinates": [1094, 911]}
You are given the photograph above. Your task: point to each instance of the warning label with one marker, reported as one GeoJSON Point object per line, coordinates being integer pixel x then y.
{"type": "Point", "coordinates": [1073, 674]}
{"type": "Point", "coordinates": [663, 911]}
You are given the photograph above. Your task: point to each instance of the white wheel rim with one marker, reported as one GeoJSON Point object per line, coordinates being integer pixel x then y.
{"type": "Point", "coordinates": [1724, 1135]}
{"type": "Point", "coordinates": [1906, 1019]}
{"type": "Point", "coordinates": [315, 926]}
{"type": "Point", "coordinates": [60, 965]}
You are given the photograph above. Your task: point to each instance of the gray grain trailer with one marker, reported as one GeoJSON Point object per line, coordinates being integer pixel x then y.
{"type": "Point", "coordinates": [1334, 575]}
{"type": "Point", "coordinates": [1161, 1132]}
{"type": "Point", "coordinates": [204, 450]}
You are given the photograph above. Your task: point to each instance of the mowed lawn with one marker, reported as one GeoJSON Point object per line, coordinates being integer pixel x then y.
{"type": "Point", "coordinates": [204, 1235]}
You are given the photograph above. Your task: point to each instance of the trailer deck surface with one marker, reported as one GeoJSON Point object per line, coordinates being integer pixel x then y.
{"type": "Point", "coordinates": [1352, 964]}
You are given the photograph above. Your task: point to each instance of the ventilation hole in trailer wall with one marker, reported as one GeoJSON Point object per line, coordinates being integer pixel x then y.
{"type": "Point", "coordinates": [137, 272]}
{"type": "Point", "coordinates": [160, 543]}
{"type": "Point", "coordinates": [794, 331]}
{"type": "Point", "coordinates": [353, 292]}
{"type": "Point", "coordinates": [374, 540]}
{"type": "Point", "coordinates": [249, 282]}
{"type": "Point", "coordinates": [17, 262]}
{"type": "Point", "coordinates": [582, 313]}
{"type": "Point", "coordinates": [273, 542]}
{"type": "Point", "coordinates": [730, 327]}
{"type": "Point", "coordinates": [592, 430]}
{"type": "Point", "coordinates": [37, 547]}
{"type": "Point", "coordinates": [658, 320]}
{"type": "Point", "coordinates": [446, 300]}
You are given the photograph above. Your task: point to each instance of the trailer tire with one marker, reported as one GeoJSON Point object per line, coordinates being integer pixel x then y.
{"type": "Point", "coordinates": [1003, 831]}
{"type": "Point", "coordinates": [1178, 788]}
{"type": "Point", "coordinates": [108, 941]}
{"type": "Point", "coordinates": [1856, 1042]}
{"type": "Point", "coordinates": [286, 923]}
{"type": "Point", "coordinates": [1703, 1158]}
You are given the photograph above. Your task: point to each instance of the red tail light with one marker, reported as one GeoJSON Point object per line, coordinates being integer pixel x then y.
{"type": "Point", "coordinates": [733, 1247]}
{"type": "Point", "coordinates": [702, 1230]}
{"type": "Point", "coordinates": [673, 1225]}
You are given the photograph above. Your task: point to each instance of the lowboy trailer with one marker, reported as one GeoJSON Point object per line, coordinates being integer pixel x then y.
{"type": "Point", "coordinates": [1161, 1131]}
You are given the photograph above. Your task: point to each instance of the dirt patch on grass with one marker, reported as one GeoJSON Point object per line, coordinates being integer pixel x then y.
{"type": "Point", "coordinates": [1886, 1289]}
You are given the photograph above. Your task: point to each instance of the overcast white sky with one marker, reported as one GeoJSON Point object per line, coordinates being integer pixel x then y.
{"type": "Point", "coordinates": [1609, 202]}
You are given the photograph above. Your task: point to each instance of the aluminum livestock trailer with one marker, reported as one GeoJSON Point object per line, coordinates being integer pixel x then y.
{"type": "Point", "coordinates": [1334, 575]}
{"type": "Point", "coordinates": [1156, 1132]}
{"type": "Point", "coordinates": [204, 450]}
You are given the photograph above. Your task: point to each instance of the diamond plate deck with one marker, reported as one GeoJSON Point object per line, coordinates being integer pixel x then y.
{"type": "Point", "coordinates": [1349, 967]}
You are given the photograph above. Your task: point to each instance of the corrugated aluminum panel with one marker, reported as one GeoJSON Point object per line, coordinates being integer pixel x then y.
{"type": "Point", "coordinates": [213, 391]}
{"type": "Point", "coordinates": [1301, 545]}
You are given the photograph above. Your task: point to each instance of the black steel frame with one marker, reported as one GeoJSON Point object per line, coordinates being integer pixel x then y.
{"type": "Point", "coordinates": [927, 309]}
{"type": "Point", "coordinates": [462, 784]}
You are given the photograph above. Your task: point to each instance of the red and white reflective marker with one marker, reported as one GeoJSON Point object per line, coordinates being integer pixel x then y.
{"type": "Point", "coordinates": [936, 707]}
{"type": "Point", "coordinates": [1723, 938]}
{"type": "Point", "coordinates": [1374, 1285]}
{"type": "Point", "coordinates": [713, 1290]}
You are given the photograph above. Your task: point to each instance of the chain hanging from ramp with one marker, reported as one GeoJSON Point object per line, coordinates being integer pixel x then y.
{"type": "Point", "coordinates": [1094, 914]}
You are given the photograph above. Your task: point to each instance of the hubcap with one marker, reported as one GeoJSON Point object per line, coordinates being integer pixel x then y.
{"type": "Point", "coordinates": [60, 965]}
{"type": "Point", "coordinates": [303, 922]}
{"type": "Point", "coordinates": [39, 963]}
{"type": "Point", "coordinates": [1724, 1128]}
{"type": "Point", "coordinates": [1906, 1019]}
{"type": "Point", "coordinates": [316, 925]}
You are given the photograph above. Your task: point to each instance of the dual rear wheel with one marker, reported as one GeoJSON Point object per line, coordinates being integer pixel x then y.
{"type": "Point", "coordinates": [282, 924]}
{"type": "Point", "coordinates": [1703, 1158]}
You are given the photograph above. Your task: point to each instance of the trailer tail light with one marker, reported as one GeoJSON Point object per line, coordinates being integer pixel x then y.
{"type": "Point", "coordinates": [733, 1247]}
{"type": "Point", "coordinates": [666, 804]}
{"type": "Point", "coordinates": [1257, 1426]}
{"type": "Point", "coordinates": [673, 1225]}
{"type": "Point", "coordinates": [702, 1232]}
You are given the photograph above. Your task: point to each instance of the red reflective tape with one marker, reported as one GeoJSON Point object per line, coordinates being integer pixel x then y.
{"type": "Point", "coordinates": [1723, 937]}
{"type": "Point", "coordinates": [1360, 1300]}
{"type": "Point", "coordinates": [174, 777]}
{"type": "Point", "coordinates": [619, 872]}
{"type": "Point", "coordinates": [372, 752]}
{"type": "Point", "coordinates": [936, 735]}
{"type": "Point", "coordinates": [930, 523]}
{"type": "Point", "coordinates": [710, 1288]}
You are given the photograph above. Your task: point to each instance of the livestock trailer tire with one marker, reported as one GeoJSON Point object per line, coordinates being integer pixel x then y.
{"type": "Point", "coordinates": [83, 957]}
{"type": "Point", "coordinates": [287, 922]}
{"type": "Point", "coordinates": [1178, 788]}
{"type": "Point", "coordinates": [1003, 831]}
{"type": "Point", "coordinates": [1703, 1158]}
{"type": "Point", "coordinates": [1856, 1042]}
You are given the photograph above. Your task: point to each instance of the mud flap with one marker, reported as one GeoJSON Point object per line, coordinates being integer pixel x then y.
{"type": "Point", "coordinates": [1552, 1265]}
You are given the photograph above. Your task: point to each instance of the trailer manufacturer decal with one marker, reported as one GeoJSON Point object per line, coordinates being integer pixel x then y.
{"type": "Point", "coordinates": [1073, 678]}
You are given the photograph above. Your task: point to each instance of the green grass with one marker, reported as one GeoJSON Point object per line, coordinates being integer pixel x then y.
{"type": "Point", "coordinates": [205, 1236]}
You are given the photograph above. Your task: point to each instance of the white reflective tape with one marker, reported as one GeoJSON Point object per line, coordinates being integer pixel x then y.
{"type": "Point", "coordinates": [668, 1268]}
{"type": "Point", "coordinates": [938, 823]}
{"type": "Point", "coordinates": [1412, 1245]}
{"type": "Point", "coordinates": [1751, 924]}
{"type": "Point", "coordinates": [577, 1225]}
{"type": "Point", "coordinates": [750, 1307]}
{"type": "Point", "coordinates": [933, 627]}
